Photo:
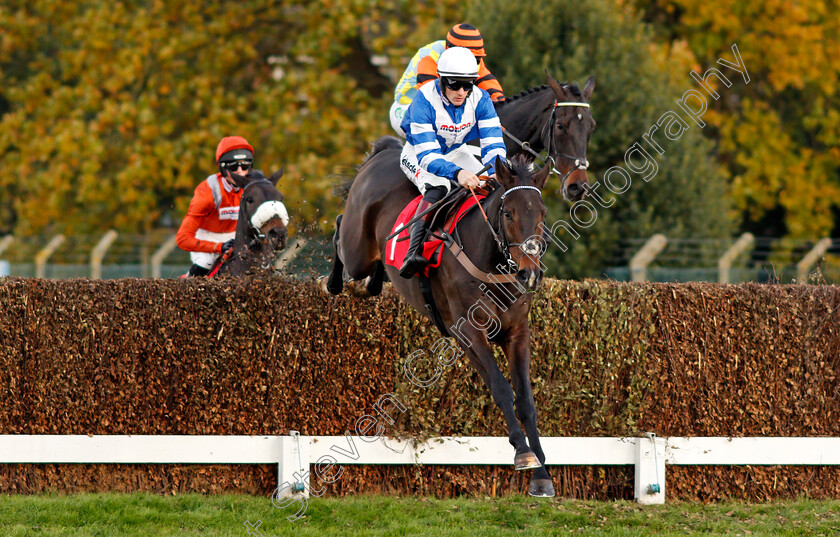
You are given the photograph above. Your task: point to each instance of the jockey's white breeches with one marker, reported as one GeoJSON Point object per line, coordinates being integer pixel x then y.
{"type": "Point", "coordinates": [396, 114]}
{"type": "Point", "coordinates": [206, 259]}
{"type": "Point", "coordinates": [462, 157]}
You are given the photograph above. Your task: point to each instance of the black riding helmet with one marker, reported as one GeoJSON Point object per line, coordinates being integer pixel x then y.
{"type": "Point", "coordinates": [231, 159]}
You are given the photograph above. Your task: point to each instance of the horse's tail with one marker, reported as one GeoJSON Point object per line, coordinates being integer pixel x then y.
{"type": "Point", "coordinates": [386, 142]}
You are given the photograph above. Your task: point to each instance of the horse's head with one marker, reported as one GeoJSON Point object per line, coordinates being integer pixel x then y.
{"type": "Point", "coordinates": [571, 127]}
{"type": "Point", "coordinates": [521, 213]}
{"type": "Point", "coordinates": [262, 216]}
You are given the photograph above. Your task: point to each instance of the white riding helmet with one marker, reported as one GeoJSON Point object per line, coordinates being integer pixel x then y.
{"type": "Point", "coordinates": [458, 63]}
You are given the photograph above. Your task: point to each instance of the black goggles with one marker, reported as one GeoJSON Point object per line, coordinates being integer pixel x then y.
{"type": "Point", "coordinates": [456, 85]}
{"type": "Point", "coordinates": [234, 164]}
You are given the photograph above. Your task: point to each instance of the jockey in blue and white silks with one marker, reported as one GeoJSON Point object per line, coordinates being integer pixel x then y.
{"type": "Point", "coordinates": [436, 131]}
{"type": "Point", "coordinates": [443, 116]}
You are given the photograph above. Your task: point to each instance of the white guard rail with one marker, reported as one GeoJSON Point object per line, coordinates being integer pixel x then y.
{"type": "Point", "coordinates": [294, 454]}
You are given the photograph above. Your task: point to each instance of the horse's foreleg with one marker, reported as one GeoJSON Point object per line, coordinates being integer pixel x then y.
{"type": "Point", "coordinates": [335, 283]}
{"type": "Point", "coordinates": [517, 348]}
{"type": "Point", "coordinates": [374, 281]}
{"type": "Point", "coordinates": [483, 361]}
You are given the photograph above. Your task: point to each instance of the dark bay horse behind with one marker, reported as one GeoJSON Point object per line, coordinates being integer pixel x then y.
{"type": "Point", "coordinates": [261, 227]}
{"type": "Point", "coordinates": [516, 211]}
{"type": "Point", "coordinates": [555, 117]}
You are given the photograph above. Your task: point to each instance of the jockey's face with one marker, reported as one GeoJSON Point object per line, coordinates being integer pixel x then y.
{"type": "Point", "coordinates": [456, 97]}
{"type": "Point", "coordinates": [456, 91]}
{"type": "Point", "coordinates": [237, 166]}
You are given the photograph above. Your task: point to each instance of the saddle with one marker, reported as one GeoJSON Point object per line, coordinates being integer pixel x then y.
{"type": "Point", "coordinates": [445, 218]}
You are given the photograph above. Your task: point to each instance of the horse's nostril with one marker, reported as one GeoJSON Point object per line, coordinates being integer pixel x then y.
{"type": "Point", "coordinates": [531, 279]}
{"type": "Point", "coordinates": [278, 237]}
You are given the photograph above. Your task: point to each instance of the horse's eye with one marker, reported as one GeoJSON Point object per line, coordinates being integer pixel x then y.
{"type": "Point", "coordinates": [249, 199]}
{"type": "Point", "coordinates": [561, 126]}
{"type": "Point", "coordinates": [508, 215]}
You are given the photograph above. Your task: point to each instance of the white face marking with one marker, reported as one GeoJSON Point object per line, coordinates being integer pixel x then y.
{"type": "Point", "coordinates": [580, 117]}
{"type": "Point", "coordinates": [267, 211]}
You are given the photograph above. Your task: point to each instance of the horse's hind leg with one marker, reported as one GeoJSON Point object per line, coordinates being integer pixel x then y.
{"type": "Point", "coordinates": [335, 283]}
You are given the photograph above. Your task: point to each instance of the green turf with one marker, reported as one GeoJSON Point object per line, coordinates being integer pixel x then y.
{"type": "Point", "coordinates": [145, 515]}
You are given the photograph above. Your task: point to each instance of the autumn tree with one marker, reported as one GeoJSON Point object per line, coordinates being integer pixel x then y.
{"type": "Point", "coordinates": [778, 137]}
{"type": "Point", "coordinates": [111, 111]}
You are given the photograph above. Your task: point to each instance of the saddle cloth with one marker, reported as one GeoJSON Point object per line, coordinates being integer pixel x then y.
{"type": "Point", "coordinates": [397, 246]}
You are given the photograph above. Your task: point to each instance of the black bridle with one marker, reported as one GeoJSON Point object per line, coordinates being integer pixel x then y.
{"type": "Point", "coordinates": [502, 241]}
{"type": "Point", "coordinates": [579, 164]}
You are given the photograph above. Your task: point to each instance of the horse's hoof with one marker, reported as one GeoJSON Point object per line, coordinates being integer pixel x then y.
{"type": "Point", "coordinates": [374, 286]}
{"type": "Point", "coordinates": [526, 461]}
{"type": "Point", "coordinates": [322, 284]}
{"type": "Point", "coordinates": [358, 288]}
{"type": "Point", "coordinates": [541, 488]}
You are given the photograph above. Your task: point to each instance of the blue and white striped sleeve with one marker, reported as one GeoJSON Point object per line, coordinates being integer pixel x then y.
{"type": "Point", "coordinates": [489, 132]}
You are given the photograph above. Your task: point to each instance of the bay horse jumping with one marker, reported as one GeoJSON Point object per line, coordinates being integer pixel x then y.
{"type": "Point", "coordinates": [516, 211]}
{"type": "Point", "coordinates": [474, 272]}
{"type": "Point", "coordinates": [554, 117]}
{"type": "Point", "coordinates": [261, 227]}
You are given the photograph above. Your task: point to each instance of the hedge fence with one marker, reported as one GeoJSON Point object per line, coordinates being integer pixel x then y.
{"type": "Point", "coordinates": [262, 357]}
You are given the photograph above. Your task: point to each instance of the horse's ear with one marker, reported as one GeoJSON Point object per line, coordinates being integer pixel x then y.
{"type": "Point", "coordinates": [542, 176]}
{"type": "Point", "coordinates": [589, 88]}
{"type": "Point", "coordinates": [503, 173]}
{"type": "Point", "coordinates": [276, 176]}
{"type": "Point", "coordinates": [555, 86]}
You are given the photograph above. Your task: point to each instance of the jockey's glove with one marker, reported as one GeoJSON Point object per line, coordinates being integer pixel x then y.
{"type": "Point", "coordinates": [227, 245]}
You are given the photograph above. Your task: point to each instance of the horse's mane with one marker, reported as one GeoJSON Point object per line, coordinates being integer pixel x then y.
{"type": "Point", "coordinates": [520, 165]}
{"type": "Point", "coordinates": [573, 88]}
{"type": "Point", "coordinates": [342, 188]}
{"type": "Point", "coordinates": [386, 142]}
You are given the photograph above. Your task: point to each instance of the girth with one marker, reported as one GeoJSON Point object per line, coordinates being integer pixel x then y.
{"type": "Point", "coordinates": [426, 289]}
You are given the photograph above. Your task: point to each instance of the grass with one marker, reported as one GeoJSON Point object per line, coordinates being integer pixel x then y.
{"type": "Point", "coordinates": [129, 515]}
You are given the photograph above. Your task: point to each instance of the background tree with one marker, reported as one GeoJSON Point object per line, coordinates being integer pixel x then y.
{"type": "Point", "coordinates": [779, 138]}
{"type": "Point", "coordinates": [111, 111]}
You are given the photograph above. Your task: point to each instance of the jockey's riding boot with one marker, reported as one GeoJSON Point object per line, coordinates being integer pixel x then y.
{"type": "Point", "coordinates": [197, 270]}
{"type": "Point", "coordinates": [414, 260]}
